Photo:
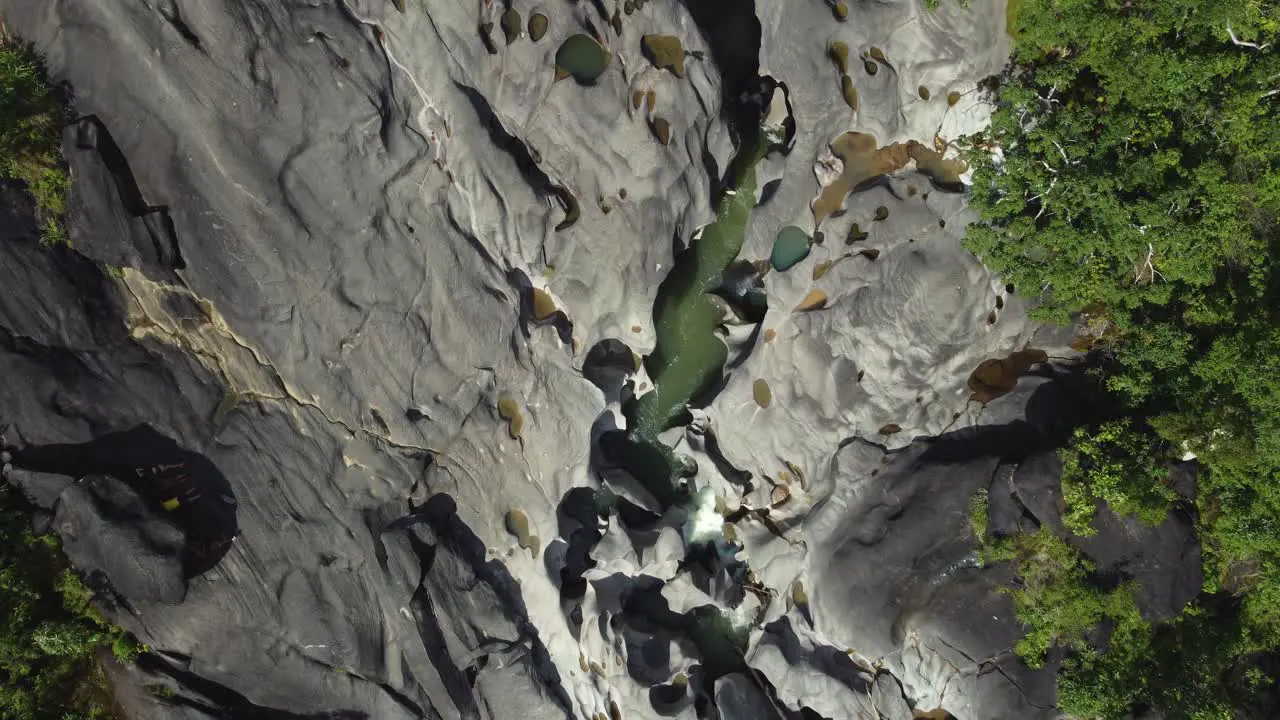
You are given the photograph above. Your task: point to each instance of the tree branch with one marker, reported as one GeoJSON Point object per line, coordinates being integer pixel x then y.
{"type": "Point", "coordinates": [1244, 43]}
{"type": "Point", "coordinates": [1148, 267]}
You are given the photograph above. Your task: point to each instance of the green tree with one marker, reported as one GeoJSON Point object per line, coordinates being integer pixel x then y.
{"type": "Point", "coordinates": [1130, 182]}
{"type": "Point", "coordinates": [1115, 464]}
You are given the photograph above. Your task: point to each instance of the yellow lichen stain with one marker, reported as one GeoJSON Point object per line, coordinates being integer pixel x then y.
{"type": "Point", "coordinates": [537, 26]}
{"type": "Point", "coordinates": [953, 97]}
{"type": "Point", "coordinates": [665, 52]}
{"type": "Point", "coordinates": [582, 662]}
{"type": "Point", "coordinates": [821, 269]}
{"type": "Point", "coordinates": [934, 165]}
{"type": "Point", "coordinates": [890, 429]}
{"type": "Point", "coordinates": [840, 10]}
{"type": "Point", "coordinates": [544, 308]}
{"type": "Point", "coordinates": [770, 334]}
{"type": "Point", "coordinates": [996, 376]}
{"type": "Point", "coordinates": [849, 92]}
{"type": "Point", "coordinates": [509, 410]}
{"type": "Point", "coordinates": [780, 494]}
{"type": "Point", "coordinates": [650, 100]}
{"type": "Point", "coordinates": [796, 471]}
{"type": "Point", "coordinates": [799, 597]}
{"type": "Point", "coordinates": [615, 713]}
{"type": "Point", "coordinates": [662, 130]}
{"type": "Point", "coordinates": [761, 392]}
{"type": "Point", "coordinates": [863, 160]}
{"type": "Point", "coordinates": [518, 525]}
{"type": "Point", "coordinates": [839, 54]}
{"type": "Point", "coordinates": [815, 300]}
{"type": "Point", "coordinates": [597, 668]}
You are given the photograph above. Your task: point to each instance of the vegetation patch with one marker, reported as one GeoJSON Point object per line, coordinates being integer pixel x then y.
{"type": "Point", "coordinates": [1139, 193]}
{"type": "Point", "coordinates": [51, 635]}
{"type": "Point", "coordinates": [31, 121]}
{"type": "Point", "coordinates": [932, 5]}
{"type": "Point", "coordinates": [1117, 464]}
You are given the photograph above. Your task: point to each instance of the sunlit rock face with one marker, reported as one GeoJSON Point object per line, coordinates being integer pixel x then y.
{"type": "Point", "coordinates": [394, 280]}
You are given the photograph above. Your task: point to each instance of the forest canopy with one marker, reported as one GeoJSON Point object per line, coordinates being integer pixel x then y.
{"type": "Point", "coordinates": [1130, 184]}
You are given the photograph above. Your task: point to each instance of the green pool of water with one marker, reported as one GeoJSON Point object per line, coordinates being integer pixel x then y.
{"type": "Point", "coordinates": [688, 356]}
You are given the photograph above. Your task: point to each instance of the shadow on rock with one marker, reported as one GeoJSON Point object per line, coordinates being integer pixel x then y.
{"type": "Point", "coordinates": [168, 480]}
{"type": "Point", "coordinates": [220, 701]}
{"type": "Point", "coordinates": [440, 514]}
{"type": "Point", "coordinates": [92, 134]}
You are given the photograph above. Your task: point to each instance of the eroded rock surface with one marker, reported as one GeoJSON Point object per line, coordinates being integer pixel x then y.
{"type": "Point", "coordinates": [322, 246]}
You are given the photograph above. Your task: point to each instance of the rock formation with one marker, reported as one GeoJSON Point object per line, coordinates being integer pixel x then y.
{"type": "Point", "coordinates": [384, 275]}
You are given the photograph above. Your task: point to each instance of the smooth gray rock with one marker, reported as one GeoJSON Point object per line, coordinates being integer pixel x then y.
{"type": "Point", "coordinates": [105, 528]}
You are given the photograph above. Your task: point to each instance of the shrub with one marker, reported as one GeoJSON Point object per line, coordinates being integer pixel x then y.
{"type": "Point", "coordinates": [31, 122]}
{"type": "Point", "coordinates": [1138, 183]}
{"type": "Point", "coordinates": [50, 634]}
{"type": "Point", "coordinates": [1114, 464]}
